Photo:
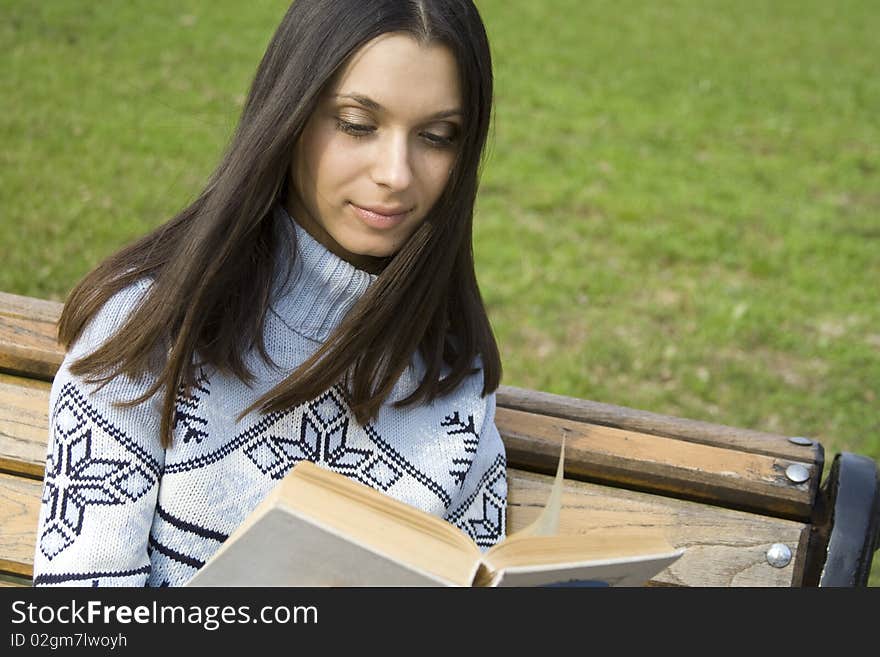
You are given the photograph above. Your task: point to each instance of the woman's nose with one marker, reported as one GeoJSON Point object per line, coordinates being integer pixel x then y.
{"type": "Point", "coordinates": [392, 168]}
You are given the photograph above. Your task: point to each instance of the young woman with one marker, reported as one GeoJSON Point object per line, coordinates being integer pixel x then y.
{"type": "Point", "coordinates": [317, 301]}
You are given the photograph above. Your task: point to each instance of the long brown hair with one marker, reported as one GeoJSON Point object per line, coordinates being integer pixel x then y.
{"type": "Point", "coordinates": [213, 264]}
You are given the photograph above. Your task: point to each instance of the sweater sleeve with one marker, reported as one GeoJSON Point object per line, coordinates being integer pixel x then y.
{"type": "Point", "coordinates": [480, 506]}
{"type": "Point", "coordinates": [103, 466]}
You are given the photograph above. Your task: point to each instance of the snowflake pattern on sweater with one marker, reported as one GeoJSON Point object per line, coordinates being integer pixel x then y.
{"type": "Point", "coordinates": [118, 510]}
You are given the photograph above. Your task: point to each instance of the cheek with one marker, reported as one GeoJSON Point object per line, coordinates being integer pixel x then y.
{"type": "Point", "coordinates": [437, 172]}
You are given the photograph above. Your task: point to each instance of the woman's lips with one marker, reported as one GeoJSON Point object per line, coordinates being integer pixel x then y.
{"type": "Point", "coordinates": [380, 217]}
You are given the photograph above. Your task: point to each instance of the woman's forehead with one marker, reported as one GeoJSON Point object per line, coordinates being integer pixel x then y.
{"type": "Point", "coordinates": [401, 75]}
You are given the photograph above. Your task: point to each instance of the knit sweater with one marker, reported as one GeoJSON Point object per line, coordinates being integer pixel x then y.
{"type": "Point", "coordinates": [120, 510]}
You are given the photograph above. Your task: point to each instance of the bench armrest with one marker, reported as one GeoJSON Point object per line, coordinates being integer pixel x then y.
{"type": "Point", "coordinates": [851, 498]}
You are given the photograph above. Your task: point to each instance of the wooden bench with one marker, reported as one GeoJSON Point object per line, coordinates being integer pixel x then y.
{"type": "Point", "coordinates": [751, 508]}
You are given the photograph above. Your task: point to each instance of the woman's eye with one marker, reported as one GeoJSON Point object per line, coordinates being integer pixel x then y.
{"type": "Point", "coordinates": [438, 140]}
{"type": "Point", "coordinates": [354, 129]}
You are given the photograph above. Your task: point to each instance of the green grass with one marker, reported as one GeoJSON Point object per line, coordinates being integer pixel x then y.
{"type": "Point", "coordinates": [680, 211]}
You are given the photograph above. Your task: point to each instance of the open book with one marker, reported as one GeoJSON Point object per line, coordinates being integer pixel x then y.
{"type": "Point", "coordinates": [320, 528]}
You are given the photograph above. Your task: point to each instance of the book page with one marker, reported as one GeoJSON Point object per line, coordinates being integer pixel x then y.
{"type": "Point", "coordinates": [538, 555]}
{"type": "Point", "coordinates": [624, 571]}
{"type": "Point", "coordinates": [547, 522]}
{"type": "Point", "coordinates": [624, 543]}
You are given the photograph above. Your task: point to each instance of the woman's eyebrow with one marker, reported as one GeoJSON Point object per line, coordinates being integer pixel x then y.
{"type": "Point", "coordinates": [371, 104]}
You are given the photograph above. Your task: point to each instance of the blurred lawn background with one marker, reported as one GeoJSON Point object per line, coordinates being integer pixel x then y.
{"type": "Point", "coordinates": [680, 212]}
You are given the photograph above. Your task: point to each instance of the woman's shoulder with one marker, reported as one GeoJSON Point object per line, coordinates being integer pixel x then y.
{"type": "Point", "coordinates": [111, 316]}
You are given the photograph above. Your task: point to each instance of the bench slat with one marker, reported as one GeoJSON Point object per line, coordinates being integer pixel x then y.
{"type": "Point", "coordinates": [727, 477]}
{"type": "Point", "coordinates": [621, 417]}
{"type": "Point", "coordinates": [29, 347]}
{"type": "Point", "coordinates": [24, 425]}
{"type": "Point", "coordinates": [28, 343]}
{"type": "Point", "coordinates": [19, 512]}
{"type": "Point", "coordinates": [16, 305]}
{"type": "Point", "coordinates": [7, 581]}
{"type": "Point", "coordinates": [724, 547]}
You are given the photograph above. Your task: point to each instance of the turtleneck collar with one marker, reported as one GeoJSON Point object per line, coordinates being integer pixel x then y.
{"type": "Point", "coordinates": [321, 288]}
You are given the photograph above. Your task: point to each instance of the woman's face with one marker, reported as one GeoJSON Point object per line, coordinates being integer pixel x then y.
{"type": "Point", "coordinates": [377, 152]}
